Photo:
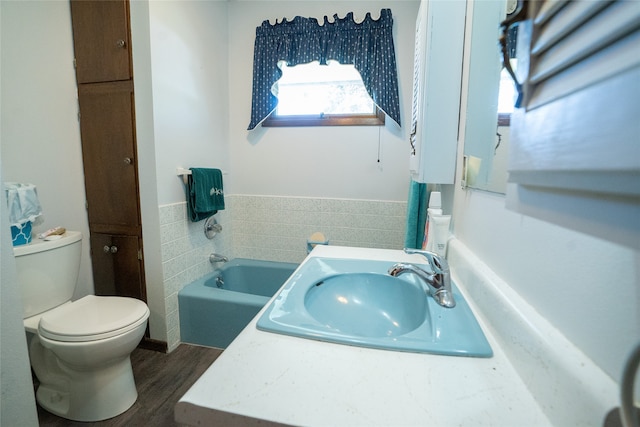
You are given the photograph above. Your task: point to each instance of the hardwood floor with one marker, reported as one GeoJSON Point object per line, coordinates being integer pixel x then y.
{"type": "Point", "coordinates": [161, 380]}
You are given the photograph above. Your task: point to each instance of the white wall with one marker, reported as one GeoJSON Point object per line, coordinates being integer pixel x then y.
{"type": "Point", "coordinates": [39, 124]}
{"type": "Point", "coordinates": [17, 400]}
{"type": "Point", "coordinates": [202, 60]}
{"type": "Point", "coordinates": [586, 287]}
{"type": "Point", "coordinates": [147, 182]}
{"type": "Point", "coordinates": [321, 161]}
{"type": "Point", "coordinates": [190, 90]}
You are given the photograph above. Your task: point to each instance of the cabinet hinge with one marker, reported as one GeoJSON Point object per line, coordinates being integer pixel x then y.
{"type": "Point", "coordinates": [75, 64]}
{"type": "Point", "coordinates": [140, 254]}
{"type": "Point", "coordinates": [86, 205]}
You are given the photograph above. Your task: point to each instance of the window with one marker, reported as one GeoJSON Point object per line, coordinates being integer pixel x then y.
{"type": "Point", "coordinates": [367, 45]}
{"type": "Point", "coordinates": [507, 96]}
{"type": "Point", "coordinates": [508, 92]}
{"type": "Point", "coordinates": [322, 95]}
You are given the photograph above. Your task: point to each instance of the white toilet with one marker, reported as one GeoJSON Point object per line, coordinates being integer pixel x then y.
{"type": "Point", "coordinates": [79, 350]}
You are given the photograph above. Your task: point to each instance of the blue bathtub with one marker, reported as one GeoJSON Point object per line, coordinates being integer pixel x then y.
{"type": "Point", "coordinates": [214, 311]}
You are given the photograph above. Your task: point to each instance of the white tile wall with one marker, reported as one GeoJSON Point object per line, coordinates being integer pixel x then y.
{"type": "Point", "coordinates": [185, 257]}
{"type": "Point", "coordinates": [277, 228]}
{"type": "Point", "coordinates": [268, 228]}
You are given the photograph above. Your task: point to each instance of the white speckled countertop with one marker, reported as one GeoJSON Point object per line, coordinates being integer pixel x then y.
{"type": "Point", "coordinates": [266, 378]}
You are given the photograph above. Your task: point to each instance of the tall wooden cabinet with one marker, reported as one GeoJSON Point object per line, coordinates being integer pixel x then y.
{"type": "Point", "coordinates": [104, 74]}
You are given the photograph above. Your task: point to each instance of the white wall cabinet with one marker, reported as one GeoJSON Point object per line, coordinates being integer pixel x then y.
{"type": "Point", "coordinates": [436, 91]}
{"type": "Point", "coordinates": [575, 144]}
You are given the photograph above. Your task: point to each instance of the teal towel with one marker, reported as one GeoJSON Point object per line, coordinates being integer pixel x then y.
{"type": "Point", "coordinates": [206, 194]}
{"type": "Point", "coordinates": [416, 215]}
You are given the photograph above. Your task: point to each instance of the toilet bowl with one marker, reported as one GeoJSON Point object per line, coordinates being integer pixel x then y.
{"type": "Point", "coordinates": [80, 350]}
{"type": "Point", "coordinates": [80, 353]}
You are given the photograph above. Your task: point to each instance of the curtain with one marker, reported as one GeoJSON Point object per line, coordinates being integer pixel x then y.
{"type": "Point", "coordinates": [416, 214]}
{"type": "Point", "coordinates": [367, 45]}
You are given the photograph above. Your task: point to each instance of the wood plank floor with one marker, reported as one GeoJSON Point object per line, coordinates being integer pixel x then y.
{"type": "Point", "coordinates": [161, 380]}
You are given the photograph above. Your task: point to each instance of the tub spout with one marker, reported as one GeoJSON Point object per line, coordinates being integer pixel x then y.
{"type": "Point", "coordinates": [217, 258]}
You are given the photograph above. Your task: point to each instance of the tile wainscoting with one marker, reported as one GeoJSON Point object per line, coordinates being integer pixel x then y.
{"type": "Point", "coordinates": [268, 228]}
{"type": "Point", "coordinates": [277, 228]}
{"type": "Point", "coordinates": [185, 257]}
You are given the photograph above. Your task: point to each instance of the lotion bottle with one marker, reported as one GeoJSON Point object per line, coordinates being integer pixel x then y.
{"type": "Point", "coordinates": [434, 209]}
{"type": "Point", "coordinates": [439, 233]}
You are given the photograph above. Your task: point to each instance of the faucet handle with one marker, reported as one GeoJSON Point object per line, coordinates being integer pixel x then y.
{"type": "Point", "coordinates": [437, 262]}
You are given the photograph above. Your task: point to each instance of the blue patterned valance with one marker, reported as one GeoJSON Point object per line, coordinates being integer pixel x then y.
{"type": "Point", "coordinates": [367, 45]}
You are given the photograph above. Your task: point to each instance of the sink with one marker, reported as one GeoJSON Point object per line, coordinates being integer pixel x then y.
{"type": "Point", "coordinates": [355, 302]}
{"type": "Point", "coordinates": [366, 304]}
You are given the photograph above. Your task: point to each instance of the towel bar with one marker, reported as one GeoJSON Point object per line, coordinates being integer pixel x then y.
{"type": "Point", "coordinates": [184, 172]}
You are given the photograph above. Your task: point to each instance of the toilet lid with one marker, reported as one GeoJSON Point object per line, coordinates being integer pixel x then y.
{"type": "Point", "coordinates": [93, 318]}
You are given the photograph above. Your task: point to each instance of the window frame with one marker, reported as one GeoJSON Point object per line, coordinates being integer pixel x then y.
{"type": "Point", "coordinates": [504, 119]}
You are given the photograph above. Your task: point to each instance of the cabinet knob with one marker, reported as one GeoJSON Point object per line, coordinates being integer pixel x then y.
{"type": "Point", "coordinates": [127, 160]}
{"type": "Point", "coordinates": [121, 43]}
{"type": "Point", "coordinates": [110, 249]}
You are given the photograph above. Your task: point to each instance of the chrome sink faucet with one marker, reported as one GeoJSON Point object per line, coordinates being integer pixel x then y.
{"type": "Point", "coordinates": [438, 281]}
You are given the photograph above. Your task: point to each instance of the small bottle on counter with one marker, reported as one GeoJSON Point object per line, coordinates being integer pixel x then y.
{"type": "Point", "coordinates": [434, 209]}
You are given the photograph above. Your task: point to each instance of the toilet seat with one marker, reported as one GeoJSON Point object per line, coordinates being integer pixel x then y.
{"type": "Point", "coordinates": [93, 318]}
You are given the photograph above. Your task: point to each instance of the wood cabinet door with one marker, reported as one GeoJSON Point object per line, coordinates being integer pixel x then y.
{"type": "Point", "coordinates": [101, 40]}
{"type": "Point", "coordinates": [108, 151]}
{"type": "Point", "coordinates": [117, 267]}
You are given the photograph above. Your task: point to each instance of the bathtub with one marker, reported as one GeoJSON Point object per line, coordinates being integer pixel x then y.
{"type": "Point", "coordinates": [214, 311]}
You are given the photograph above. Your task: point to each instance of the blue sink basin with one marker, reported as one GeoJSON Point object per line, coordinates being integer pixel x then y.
{"type": "Point", "coordinates": [366, 304]}
{"type": "Point", "coordinates": [355, 302]}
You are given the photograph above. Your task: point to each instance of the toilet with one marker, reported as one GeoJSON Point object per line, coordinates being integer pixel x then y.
{"type": "Point", "coordinates": [79, 350]}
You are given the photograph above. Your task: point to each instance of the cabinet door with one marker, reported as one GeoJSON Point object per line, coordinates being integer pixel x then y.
{"type": "Point", "coordinates": [101, 40]}
{"type": "Point", "coordinates": [108, 151]}
{"type": "Point", "coordinates": [117, 267]}
{"type": "Point", "coordinates": [436, 91]}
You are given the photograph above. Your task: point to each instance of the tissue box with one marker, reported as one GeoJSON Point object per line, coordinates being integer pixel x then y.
{"type": "Point", "coordinates": [21, 235]}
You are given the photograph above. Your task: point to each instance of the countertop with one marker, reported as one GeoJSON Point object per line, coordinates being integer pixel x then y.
{"type": "Point", "coordinates": [265, 378]}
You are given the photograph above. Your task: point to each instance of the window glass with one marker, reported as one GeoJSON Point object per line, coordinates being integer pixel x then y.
{"type": "Point", "coordinates": [507, 93]}
{"type": "Point", "coordinates": [314, 89]}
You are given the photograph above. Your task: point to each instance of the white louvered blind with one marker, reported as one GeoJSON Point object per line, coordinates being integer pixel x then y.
{"type": "Point", "coordinates": [579, 43]}
{"type": "Point", "coordinates": [575, 144]}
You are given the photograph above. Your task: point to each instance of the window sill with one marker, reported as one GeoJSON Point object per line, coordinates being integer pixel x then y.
{"type": "Point", "coordinates": [377, 119]}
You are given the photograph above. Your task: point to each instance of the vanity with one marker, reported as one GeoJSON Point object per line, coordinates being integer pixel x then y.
{"type": "Point", "coordinates": [270, 378]}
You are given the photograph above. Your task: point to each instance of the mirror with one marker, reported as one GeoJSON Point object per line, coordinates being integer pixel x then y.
{"type": "Point", "coordinates": [486, 144]}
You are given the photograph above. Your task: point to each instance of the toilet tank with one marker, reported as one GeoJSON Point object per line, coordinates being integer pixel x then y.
{"type": "Point", "coordinates": [48, 271]}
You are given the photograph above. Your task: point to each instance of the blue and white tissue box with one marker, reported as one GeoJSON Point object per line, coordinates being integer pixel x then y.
{"type": "Point", "coordinates": [24, 208]}
{"type": "Point", "coordinates": [21, 235]}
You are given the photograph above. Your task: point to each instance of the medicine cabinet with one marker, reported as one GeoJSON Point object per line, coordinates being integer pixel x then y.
{"type": "Point", "coordinates": [436, 91]}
